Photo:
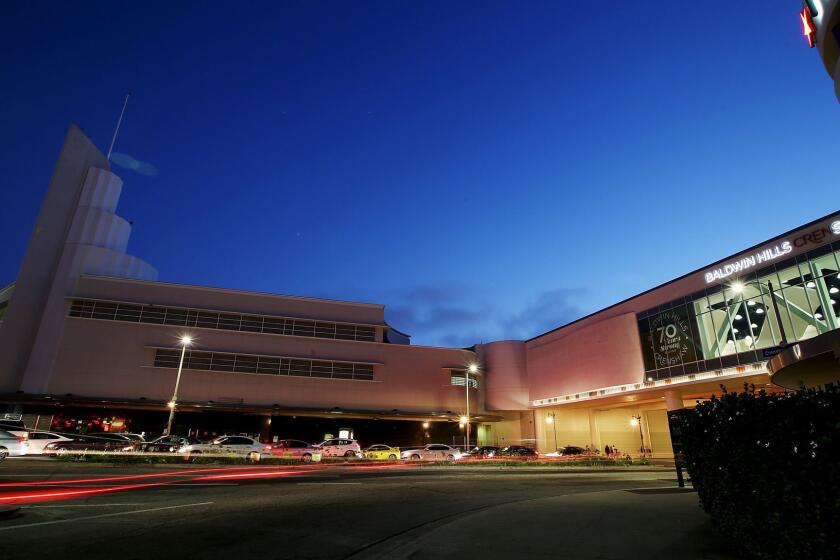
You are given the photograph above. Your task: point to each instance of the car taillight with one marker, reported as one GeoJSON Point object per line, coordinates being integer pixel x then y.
{"type": "Point", "coordinates": [267, 447]}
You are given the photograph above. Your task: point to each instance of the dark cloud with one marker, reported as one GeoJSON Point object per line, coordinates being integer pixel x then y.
{"type": "Point", "coordinates": [548, 311]}
{"type": "Point", "coordinates": [456, 316]}
{"type": "Point", "coordinates": [129, 162]}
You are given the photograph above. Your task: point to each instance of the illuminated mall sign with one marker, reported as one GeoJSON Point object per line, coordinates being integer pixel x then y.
{"type": "Point", "coordinates": [736, 267]}
{"type": "Point", "coordinates": [743, 264]}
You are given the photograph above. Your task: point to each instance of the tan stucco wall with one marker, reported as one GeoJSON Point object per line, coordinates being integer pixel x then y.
{"type": "Point", "coordinates": [113, 359]}
{"type": "Point", "coordinates": [596, 428]}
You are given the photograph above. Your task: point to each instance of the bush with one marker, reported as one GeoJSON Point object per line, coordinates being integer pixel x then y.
{"type": "Point", "coordinates": [766, 469]}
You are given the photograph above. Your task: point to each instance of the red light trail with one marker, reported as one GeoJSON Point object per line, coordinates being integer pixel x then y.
{"type": "Point", "coordinates": [46, 490]}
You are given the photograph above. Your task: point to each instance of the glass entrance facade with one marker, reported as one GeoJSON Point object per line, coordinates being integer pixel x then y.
{"type": "Point", "coordinates": [735, 323]}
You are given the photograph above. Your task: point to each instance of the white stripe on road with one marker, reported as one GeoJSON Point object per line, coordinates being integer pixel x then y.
{"type": "Point", "coordinates": [75, 519]}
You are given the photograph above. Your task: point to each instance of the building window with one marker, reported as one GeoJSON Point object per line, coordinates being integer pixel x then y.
{"type": "Point", "coordinates": [183, 317]}
{"type": "Point", "coordinates": [458, 378]}
{"type": "Point", "coordinates": [263, 365]}
{"type": "Point", "coordinates": [725, 326]}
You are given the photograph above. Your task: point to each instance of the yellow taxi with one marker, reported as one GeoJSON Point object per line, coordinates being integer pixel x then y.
{"type": "Point", "coordinates": [381, 453]}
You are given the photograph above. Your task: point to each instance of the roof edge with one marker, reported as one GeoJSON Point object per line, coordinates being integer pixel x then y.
{"type": "Point", "coordinates": [686, 275]}
{"type": "Point", "coordinates": [234, 291]}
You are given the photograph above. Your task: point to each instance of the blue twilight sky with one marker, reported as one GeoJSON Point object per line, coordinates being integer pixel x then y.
{"type": "Point", "coordinates": [485, 169]}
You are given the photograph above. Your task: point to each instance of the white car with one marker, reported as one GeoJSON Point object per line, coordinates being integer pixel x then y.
{"type": "Point", "coordinates": [12, 445]}
{"type": "Point", "coordinates": [339, 448]}
{"type": "Point", "coordinates": [38, 440]}
{"type": "Point", "coordinates": [432, 452]}
{"type": "Point", "coordinates": [240, 446]}
{"type": "Point", "coordinates": [14, 427]}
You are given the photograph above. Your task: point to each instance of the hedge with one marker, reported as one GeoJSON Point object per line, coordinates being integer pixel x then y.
{"type": "Point", "coordinates": [767, 469]}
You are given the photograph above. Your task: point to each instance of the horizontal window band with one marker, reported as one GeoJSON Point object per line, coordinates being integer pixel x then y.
{"type": "Point", "coordinates": [170, 358]}
{"type": "Point", "coordinates": [237, 322]}
{"type": "Point", "coordinates": [261, 356]}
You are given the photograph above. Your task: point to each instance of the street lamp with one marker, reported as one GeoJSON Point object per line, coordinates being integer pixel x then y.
{"type": "Point", "coordinates": [549, 419]}
{"type": "Point", "coordinates": [186, 340]}
{"type": "Point", "coordinates": [473, 368]}
{"type": "Point", "coordinates": [637, 421]}
{"type": "Point", "coordinates": [739, 286]}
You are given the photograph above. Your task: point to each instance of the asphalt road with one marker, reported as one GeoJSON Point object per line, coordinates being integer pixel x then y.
{"type": "Point", "coordinates": [347, 513]}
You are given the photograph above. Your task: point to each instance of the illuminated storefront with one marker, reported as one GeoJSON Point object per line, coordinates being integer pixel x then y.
{"type": "Point", "coordinates": [736, 322]}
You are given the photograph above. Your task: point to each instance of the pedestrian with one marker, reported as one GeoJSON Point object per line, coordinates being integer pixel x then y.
{"type": "Point", "coordinates": [607, 450]}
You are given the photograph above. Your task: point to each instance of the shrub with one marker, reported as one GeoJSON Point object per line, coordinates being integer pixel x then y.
{"type": "Point", "coordinates": [766, 469]}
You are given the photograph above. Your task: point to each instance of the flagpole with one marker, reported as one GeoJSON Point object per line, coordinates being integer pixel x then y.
{"type": "Point", "coordinates": [117, 130]}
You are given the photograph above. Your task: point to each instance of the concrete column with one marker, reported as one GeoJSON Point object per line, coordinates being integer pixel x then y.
{"type": "Point", "coordinates": [265, 428]}
{"type": "Point", "coordinates": [673, 400]}
{"type": "Point", "coordinates": [594, 432]}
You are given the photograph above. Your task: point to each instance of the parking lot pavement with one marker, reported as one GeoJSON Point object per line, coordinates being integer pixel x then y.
{"type": "Point", "coordinates": [355, 513]}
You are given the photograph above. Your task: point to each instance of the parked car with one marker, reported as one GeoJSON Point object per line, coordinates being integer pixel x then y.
{"type": "Point", "coordinates": [240, 446]}
{"type": "Point", "coordinates": [339, 448]}
{"type": "Point", "coordinates": [166, 444]}
{"type": "Point", "coordinates": [571, 450]}
{"type": "Point", "coordinates": [481, 452]}
{"type": "Point", "coordinates": [14, 427]}
{"type": "Point", "coordinates": [90, 442]}
{"type": "Point", "coordinates": [381, 452]}
{"type": "Point", "coordinates": [296, 449]}
{"type": "Point", "coordinates": [12, 445]}
{"type": "Point", "coordinates": [39, 440]}
{"type": "Point", "coordinates": [517, 451]}
{"type": "Point", "coordinates": [431, 452]}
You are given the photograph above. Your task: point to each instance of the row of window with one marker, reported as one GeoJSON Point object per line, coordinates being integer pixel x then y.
{"type": "Point", "coordinates": [159, 315]}
{"type": "Point", "coordinates": [736, 323]}
{"type": "Point", "coordinates": [265, 365]}
{"type": "Point", "coordinates": [459, 378]}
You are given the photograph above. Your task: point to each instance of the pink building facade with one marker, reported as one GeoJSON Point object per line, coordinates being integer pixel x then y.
{"type": "Point", "coordinates": [86, 325]}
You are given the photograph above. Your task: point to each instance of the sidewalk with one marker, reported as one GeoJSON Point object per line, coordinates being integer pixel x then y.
{"type": "Point", "coordinates": [648, 524]}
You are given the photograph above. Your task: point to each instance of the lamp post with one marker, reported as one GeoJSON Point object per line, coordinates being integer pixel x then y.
{"type": "Point", "coordinates": [473, 368]}
{"type": "Point", "coordinates": [186, 340]}
{"type": "Point", "coordinates": [549, 419]}
{"type": "Point", "coordinates": [739, 286]}
{"type": "Point", "coordinates": [637, 421]}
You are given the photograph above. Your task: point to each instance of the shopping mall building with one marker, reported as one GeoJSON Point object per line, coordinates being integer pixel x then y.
{"type": "Point", "coordinates": [89, 335]}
